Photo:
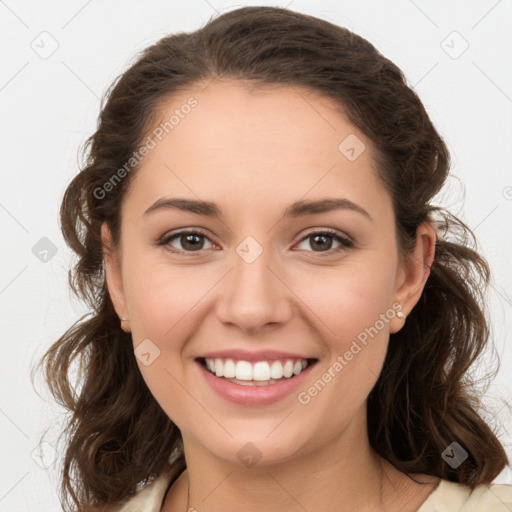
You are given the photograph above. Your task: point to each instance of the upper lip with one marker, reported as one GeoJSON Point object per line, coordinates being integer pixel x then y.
{"type": "Point", "coordinates": [246, 355]}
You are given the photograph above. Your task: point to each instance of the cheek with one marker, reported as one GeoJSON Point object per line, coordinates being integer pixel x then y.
{"type": "Point", "coordinates": [160, 296]}
{"type": "Point", "coordinates": [354, 320]}
{"type": "Point", "coordinates": [344, 302]}
{"type": "Point", "coordinates": [352, 309]}
{"type": "Point", "coordinates": [162, 303]}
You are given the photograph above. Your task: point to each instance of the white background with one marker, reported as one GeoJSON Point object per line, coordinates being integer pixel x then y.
{"type": "Point", "coordinates": [49, 106]}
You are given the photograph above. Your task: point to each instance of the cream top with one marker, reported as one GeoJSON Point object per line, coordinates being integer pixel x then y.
{"type": "Point", "coordinates": [446, 497]}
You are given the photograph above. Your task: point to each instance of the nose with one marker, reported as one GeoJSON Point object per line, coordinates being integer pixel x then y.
{"type": "Point", "coordinates": [255, 296]}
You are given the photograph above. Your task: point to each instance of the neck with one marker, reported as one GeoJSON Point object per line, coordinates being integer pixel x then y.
{"type": "Point", "coordinates": [343, 475]}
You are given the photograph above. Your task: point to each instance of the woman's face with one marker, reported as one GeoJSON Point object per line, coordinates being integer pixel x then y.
{"type": "Point", "coordinates": [262, 282]}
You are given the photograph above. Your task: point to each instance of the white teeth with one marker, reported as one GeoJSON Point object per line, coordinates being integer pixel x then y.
{"type": "Point", "coordinates": [229, 370]}
{"type": "Point", "coordinates": [260, 371]}
{"type": "Point", "coordinates": [243, 370]}
{"type": "Point", "coordinates": [218, 368]}
{"type": "Point", "coordinates": [288, 369]}
{"type": "Point", "coordinates": [276, 370]}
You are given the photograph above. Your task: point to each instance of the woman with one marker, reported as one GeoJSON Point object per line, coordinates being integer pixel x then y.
{"type": "Point", "coordinates": [280, 318]}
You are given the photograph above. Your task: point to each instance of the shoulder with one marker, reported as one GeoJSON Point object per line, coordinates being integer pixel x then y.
{"type": "Point", "coordinates": [483, 498]}
{"type": "Point", "coordinates": [149, 498]}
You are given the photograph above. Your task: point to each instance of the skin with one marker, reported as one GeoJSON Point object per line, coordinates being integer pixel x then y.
{"type": "Point", "coordinates": [257, 151]}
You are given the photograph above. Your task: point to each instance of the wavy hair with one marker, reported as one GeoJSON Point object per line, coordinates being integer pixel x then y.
{"type": "Point", "coordinates": [117, 436]}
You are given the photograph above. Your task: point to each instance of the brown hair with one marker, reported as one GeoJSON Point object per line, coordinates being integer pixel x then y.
{"type": "Point", "coordinates": [117, 435]}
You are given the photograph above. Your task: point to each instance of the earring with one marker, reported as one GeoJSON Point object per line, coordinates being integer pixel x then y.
{"type": "Point", "coordinates": [125, 325]}
{"type": "Point", "coordinates": [400, 314]}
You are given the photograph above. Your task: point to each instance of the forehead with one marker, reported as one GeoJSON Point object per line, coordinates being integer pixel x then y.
{"type": "Point", "coordinates": [251, 145]}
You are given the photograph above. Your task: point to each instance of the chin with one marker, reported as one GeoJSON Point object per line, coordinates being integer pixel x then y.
{"type": "Point", "coordinates": [257, 449]}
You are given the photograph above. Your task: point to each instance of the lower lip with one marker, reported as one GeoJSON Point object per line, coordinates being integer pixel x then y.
{"type": "Point", "coordinates": [254, 395]}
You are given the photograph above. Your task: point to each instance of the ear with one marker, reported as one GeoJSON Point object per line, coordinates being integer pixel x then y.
{"type": "Point", "coordinates": [414, 272]}
{"type": "Point", "coordinates": [113, 275]}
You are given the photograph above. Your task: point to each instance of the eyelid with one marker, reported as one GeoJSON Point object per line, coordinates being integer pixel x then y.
{"type": "Point", "coordinates": [166, 238]}
{"type": "Point", "coordinates": [329, 231]}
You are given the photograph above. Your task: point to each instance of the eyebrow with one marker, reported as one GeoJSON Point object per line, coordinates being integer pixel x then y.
{"type": "Point", "coordinates": [299, 208]}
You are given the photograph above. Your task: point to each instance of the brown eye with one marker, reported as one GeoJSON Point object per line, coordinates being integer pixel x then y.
{"type": "Point", "coordinates": [191, 242]}
{"type": "Point", "coordinates": [188, 241]}
{"type": "Point", "coordinates": [322, 241]}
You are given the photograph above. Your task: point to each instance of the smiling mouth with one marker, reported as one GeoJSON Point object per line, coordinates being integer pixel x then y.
{"type": "Point", "coordinates": [260, 373]}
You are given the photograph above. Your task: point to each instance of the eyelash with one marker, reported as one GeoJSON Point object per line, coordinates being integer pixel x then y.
{"type": "Point", "coordinates": [346, 243]}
